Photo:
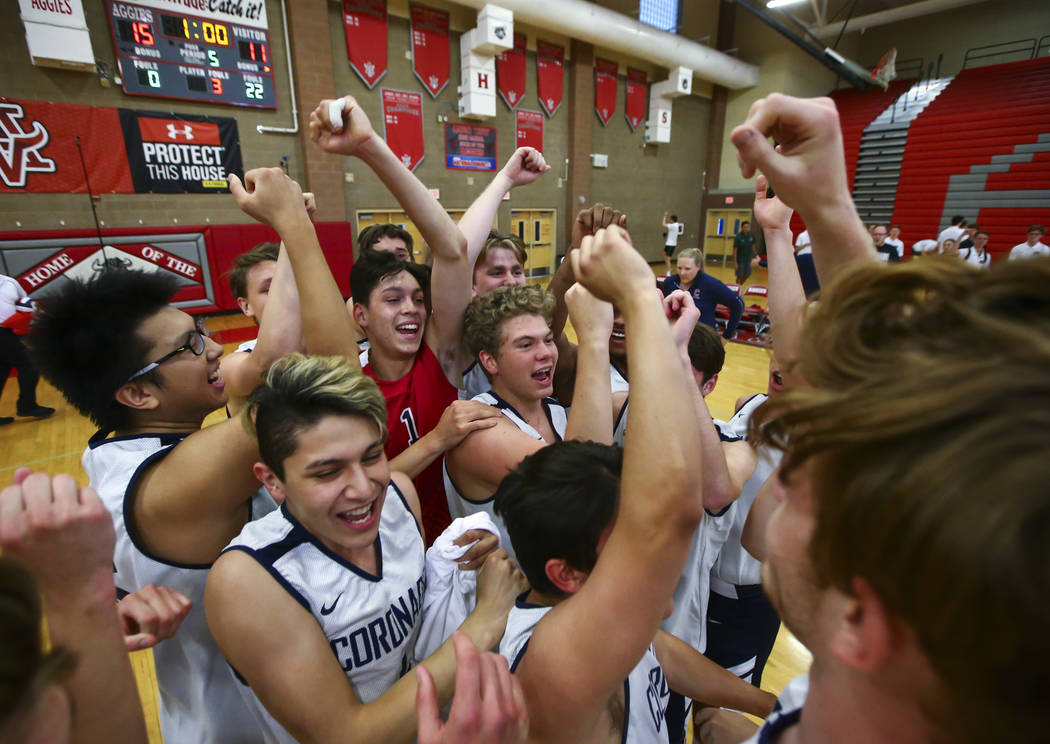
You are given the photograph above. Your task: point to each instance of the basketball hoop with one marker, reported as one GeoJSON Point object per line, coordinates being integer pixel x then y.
{"type": "Point", "coordinates": [886, 69]}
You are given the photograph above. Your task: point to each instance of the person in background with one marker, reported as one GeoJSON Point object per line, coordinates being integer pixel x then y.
{"type": "Point", "coordinates": [706, 291]}
{"type": "Point", "coordinates": [1033, 246]}
{"type": "Point", "coordinates": [13, 355]}
{"type": "Point", "coordinates": [978, 254]}
{"type": "Point", "coordinates": [743, 250]}
{"type": "Point", "coordinates": [673, 229]}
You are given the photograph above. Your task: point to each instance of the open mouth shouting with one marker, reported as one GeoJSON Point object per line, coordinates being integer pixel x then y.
{"type": "Point", "coordinates": [215, 379]}
{"type": "Point", "coordinates": [543, 376]}
{"type": "Point", "coordinates": [359, 518]}
{"type": "Point", "coordinates": [409, 329]}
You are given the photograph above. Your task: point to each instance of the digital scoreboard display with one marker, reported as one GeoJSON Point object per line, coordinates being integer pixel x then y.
{"type": "Point", "coordinates": [173, 55]}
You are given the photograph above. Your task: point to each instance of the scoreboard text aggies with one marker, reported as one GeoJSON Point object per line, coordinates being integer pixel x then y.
{"type": "Point", "coordinates": [173, 55]}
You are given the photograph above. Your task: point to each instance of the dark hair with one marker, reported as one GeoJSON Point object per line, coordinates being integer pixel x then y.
{"type": "Point", "coordinates": [25, 668]}
{"type": "Point", "coordinates": [745, 222]}
{"type": "Point", "coordinates": [557, 503]}
{"type": "Point", "coordinates": [983, 232]}
{"type": "Point", "coordinates": [245, 262]}
{"type": "Point", "coordinates": [369, 270]}
{"type": "Point", "coordinates": [706, 353]}
{"type": "Point", "coordinates": [372, 234]}
{"type": "Point", "coordinates": [85, 339]}
{"type": "Point", "coordinates": [496, 240]}
{"type": "Point", "coordinates": [301, 390]}
{"type": "Point", "coordinates": [674, 218]}
{"type": "Point", "coordinates": [958, 220]}
{"type": "Point", "coordinates": [1040, 228]}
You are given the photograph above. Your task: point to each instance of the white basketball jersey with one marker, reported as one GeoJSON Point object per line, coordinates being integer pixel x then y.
{"type": "Point", "coordinates": [458, 504]}
{"type": "Point", "coordinates": [475, 382]}
{"type": "Point", "coordinates": [735, 565]}
{"type": "Point", "coordinates": [786, 712]}
{"type": "Point", "coordinates": [370, 621]}
{"type": "Point", "coordinates": [645, 691]}
{"type": "Point", "coordinates": [619, 382]}
{"type": "Point", "coordinates": [248, 346]}
{"type": "Point", "coordinates": [199, 702]}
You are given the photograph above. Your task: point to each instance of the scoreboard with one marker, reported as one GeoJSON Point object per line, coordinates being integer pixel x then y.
{"type": "Point", "coordinates": [175, 55]}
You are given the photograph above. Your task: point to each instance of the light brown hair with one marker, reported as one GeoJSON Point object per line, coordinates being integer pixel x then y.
{"type": "Point", "coordinates": [484, 318]}
{"type": "Point", "coordinates": [925, 434]}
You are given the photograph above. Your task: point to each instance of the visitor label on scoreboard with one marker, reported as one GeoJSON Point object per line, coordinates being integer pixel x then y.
{"type": "Point", "coordinates": [176, 153]}
{"type": "Point", "coordinates": [212, 57]}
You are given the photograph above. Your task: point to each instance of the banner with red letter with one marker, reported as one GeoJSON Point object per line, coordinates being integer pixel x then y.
{"type": "Point", "coordinates": [403, 125]}
{"type": "Point", "coordinates": [430, 47]}
{"type": "Point", "coordinates": [550, 66]}
{"type": "Point", "coordinates": [528, 129]}
{"type": "Point", "coordinates": [634, 104]}
{"type": "Point", "coordinates": [604, 88]}
{"type": "Point", "coordinates": [510, 72]}
{"type": "Point", "coordinates": [365, 24]}
{"type": "Point", "coordinates": [38, 149]}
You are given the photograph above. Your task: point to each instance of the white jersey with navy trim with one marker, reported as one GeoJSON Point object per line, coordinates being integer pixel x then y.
{"type": "Point", "coordinates": [458, 504]}
{"type": "Point", "coordinates": [475, 382]}
{"type": "Point", "coordinates": [618, 380]}
{"type": "Point", "coordinates": [199, 702]}
{"type": "Point", "coordinates": [370, 621]}
{"type": "Point", "coordinates": [248, 346]}
{"type": "Point", "coordinates": [645, 691]}
{"type": "Point", "coordinates": [786, 711]}
{"type": "Point", "coordinates": [688, 620]}
{"type": "Point", "coordinates": [735, 566]}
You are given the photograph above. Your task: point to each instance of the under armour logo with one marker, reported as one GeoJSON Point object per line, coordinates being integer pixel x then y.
{"type": "Point", "coordinates": [186, 131]}
{"type": "Point", "coordinates": [407, 160]}
{"type": "Point", "coordinates": [19, 149]}
{"type": "Point", "coordinates": [433, 81]}
{"type": "Point", "coordinates": [370, 69]}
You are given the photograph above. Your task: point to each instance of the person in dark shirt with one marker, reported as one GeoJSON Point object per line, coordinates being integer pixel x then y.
{"type": "Point", "coordinates": [705, 290]}
{"type": "Point", "coordinates": [743, 250]}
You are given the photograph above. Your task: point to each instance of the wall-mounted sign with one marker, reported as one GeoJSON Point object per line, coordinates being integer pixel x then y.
{"type": "Point", "coordinates": [528, 129]}
{"type": "Point", "coordinates": [403, 125]}
{"type": "Point", "coordinates": [215, 57]}
{"type": "Point", "coordinates": [57, 34]}
{"type": "Point", "coordinates": [365, 24]}
{"type": "Point", "coordinates": [510, 72]}
{"type": "Point", "coordinates": [470, 147]}
{"type": "Point", "coordinates": [550, 69]}
{"type": "Point", "coordinates": [430, 47]}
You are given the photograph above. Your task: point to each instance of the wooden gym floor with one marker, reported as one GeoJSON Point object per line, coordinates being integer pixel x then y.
{"type": "Point", "coordinates": [55, 445]}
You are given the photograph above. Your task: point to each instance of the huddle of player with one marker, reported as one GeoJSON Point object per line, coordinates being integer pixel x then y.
{"type": "Point", "coordinates": [890, 486]}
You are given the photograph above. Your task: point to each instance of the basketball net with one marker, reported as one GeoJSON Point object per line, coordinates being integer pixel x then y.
{"type": "Point", "coordinates": [886, 69]}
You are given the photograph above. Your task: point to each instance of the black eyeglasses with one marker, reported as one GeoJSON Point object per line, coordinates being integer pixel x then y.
{"type": "Point", "coordinates": [195, 343]}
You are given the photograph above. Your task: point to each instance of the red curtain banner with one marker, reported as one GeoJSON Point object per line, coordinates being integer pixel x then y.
{"type": "Point", "coordinates": [604, 88]}
{"type": "Point", "coordinates": [430, 47]}
{"type": "Point", "coordinates": [38, 149]}
{"type": "Point", "coordinates": [403, 125]}
{"type": "Point", "coordinates": [634, 101]}
{"type": "Point", "coordinates": [365, 24]}
{"type": "Point", "coordinates": [550, 66]}
{"type": "Point", "coordinates": [528, 129]}
{"type": "Point", "coordinates": [510, 72]}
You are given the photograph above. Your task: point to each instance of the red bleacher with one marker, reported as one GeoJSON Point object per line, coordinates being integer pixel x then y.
{"type": "Point", "coordinates": [856, 111]}
{"type": "Point", "coordinates": [984, 112]}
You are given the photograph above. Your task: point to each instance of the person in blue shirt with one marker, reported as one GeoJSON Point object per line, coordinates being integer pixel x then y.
{"type": "Point", "coordinates": [706, 290]}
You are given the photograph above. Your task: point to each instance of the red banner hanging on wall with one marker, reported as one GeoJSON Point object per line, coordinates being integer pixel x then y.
{"type": "Point", "coordinates": [403, 125]}
{"type": "Point", "coordinates": [38, 149]}
{"type": "Point", "coordinates": [528, 129]}
{"type": "Point", "coordinates": [365, 24]}
{"type": "Point", "coordinates": [510, 72]}
{"type": "Point", "coordinates": [430, 47]}
{"type": "Point", "coordinates": [550, 66]}
{"type": "Point", "coordinates": [604, 88]}
{"type": "Point", "coordinates": [634, 101]}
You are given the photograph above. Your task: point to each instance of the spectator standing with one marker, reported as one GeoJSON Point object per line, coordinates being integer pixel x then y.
{"type": "Point", "coordinates": [674, 228]}
{"type": "Point", "coordinates": [743, 249]}
{"type": "Point", "coordinates": [13, 355]}
{"type": "Point", "coordinates": [1033, 246]}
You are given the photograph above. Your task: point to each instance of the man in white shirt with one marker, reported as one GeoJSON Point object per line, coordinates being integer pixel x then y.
{"type": "Point", "coordinates": [803, 244]}
{"type": "Point", "coordinates": [895, 240]}
{"type": "Point", "coordinates": [1033, 246]}
{"type": "Point", "coordinates": [13, 355]}
{"type": "Point", "coordinates": [977, 254]}
{"type": "Point", "coordinates": [674, 229]}
{"type": "Point", "coordinates": [952, 232]}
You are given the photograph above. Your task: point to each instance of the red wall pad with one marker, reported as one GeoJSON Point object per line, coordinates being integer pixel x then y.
{"type": "Point", "coordinates": [197, 256]}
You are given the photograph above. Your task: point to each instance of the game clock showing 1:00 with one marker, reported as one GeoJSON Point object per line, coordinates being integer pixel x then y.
{"type": "Point", "coordinates": [171, 55]}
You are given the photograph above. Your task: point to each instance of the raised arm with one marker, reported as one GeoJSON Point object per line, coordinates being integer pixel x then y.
{"type": "Point", "coordinates": [808, 172]}
{"type": "Point", "coordinates": [590, 418]}
{"type": "Point", "coordinates": [524, 167]}
{"type": "Point", "coordinates": [787, 299]}
{"type": "Point", "coordinates": [568, 676]}
{"type": "Point", "coordinates": [64, 537]}
{"type": "Point", "coordinates": [450, 282]}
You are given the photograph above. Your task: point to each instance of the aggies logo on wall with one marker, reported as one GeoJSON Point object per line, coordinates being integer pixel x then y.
{"type": "Point", "coordinates": [20, 149]}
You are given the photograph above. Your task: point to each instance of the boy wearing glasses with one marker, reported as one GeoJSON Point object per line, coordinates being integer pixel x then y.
{"type": "Point", "coordinates": [147, 373]}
